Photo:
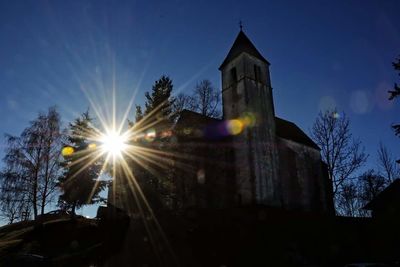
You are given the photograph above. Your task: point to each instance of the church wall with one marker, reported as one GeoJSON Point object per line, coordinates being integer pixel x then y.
{"type": "Point", "coordinates": [304, 183]}
{"type": "Point", "coordinates": [204, 176]}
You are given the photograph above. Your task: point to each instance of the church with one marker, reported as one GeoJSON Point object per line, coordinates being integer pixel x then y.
{"type": "Point", "coordinates": [249, 157]}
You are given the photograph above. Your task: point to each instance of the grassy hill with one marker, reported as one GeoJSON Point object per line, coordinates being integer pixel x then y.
{"type": "Point", "coordinates": [61, 241]}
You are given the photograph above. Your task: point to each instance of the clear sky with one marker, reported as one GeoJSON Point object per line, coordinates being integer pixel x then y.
{"type": "Point", "coordinates": [322, 53]}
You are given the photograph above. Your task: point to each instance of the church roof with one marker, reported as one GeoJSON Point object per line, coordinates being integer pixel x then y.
{"type": "Point", "coordinates": [191, 118]}
{"type": "Point", "coordinates": [288, 130]}
{"type": "Point", "coordinates": [284, 129]}
{"type": "Point", "coordinates": [191, 124]}
{"type": "Point", "coordinates": [242, 44]}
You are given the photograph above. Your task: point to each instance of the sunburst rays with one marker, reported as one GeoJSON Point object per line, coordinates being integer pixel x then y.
{"type": "Point", "coordinates": [120, 148]}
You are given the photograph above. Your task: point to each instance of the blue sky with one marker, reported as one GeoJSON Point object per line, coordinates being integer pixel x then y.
{"type": "Point", "coordinates": [322, 53]}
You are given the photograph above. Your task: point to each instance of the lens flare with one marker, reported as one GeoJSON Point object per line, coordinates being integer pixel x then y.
{"type": "Point", "coordinates": [67, 151]}
{"type": "Point", "coordinates": [248, 119]}
{"type": "Point", "coordinates": [234, 127]}
{"type": "Point", "coordinates": [150, 135]}
{"type": "Point", "coordinates": [201, 176]}
{"type": "Point", "coordinates": [92, 146]}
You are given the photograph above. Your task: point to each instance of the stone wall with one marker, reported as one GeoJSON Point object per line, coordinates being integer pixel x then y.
{"type": "Point", "coordinates": [305, 184]}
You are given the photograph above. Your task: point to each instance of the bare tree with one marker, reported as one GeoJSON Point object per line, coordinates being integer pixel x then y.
{"type": "Point", "coordinates": [343, 154]}
{"type": "Point", "coordinates": [14, 207]}
{"type": "Point", "coordinates": [371, 185]}
{"type": "Point", "coordinates": [13, 201]}
{"type": "Point", "coordinates": [387, 165]}
{"type": "Point", "coordinates": [9, 209]}
{"type": "Point", "coordinates": [182, 102]}
{"type": "Point", "coordinates": [348, 200]}
{"type": "Point", "coordinates": [32, 162]}
{"type": "Point", "coordinates": [206, 99]}
{"type": "Point", "coordinates": [51, 170]}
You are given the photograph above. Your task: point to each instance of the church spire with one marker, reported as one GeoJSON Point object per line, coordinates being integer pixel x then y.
{"type": "Point", "coordinates": [242, 44]}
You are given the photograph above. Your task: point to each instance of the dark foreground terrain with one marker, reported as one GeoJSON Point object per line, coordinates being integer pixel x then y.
{"type": "Point", "coordinates": [237, 237]}
{"type": "Point", "coordinates": [57, 242]}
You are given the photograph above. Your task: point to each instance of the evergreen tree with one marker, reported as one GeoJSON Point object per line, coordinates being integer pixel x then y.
{"type": "Point", "coordinates": [157, 116]}
{"type": "Point", "coordinates": [395, 93]}
{"type": "Point", "coordinates": [139, 114]}
{"type": "Point", "coordinates": [159, 101]}
{"type": "Point", "coordinates": [396, 89]}
{"type": "Point", "coordinates": [79, 183]}
{"type": "Point", "coordinates": [138, 117]}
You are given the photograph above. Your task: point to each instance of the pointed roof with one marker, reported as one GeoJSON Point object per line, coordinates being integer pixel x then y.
{"type": "Point", "coordinates": [242, 44]}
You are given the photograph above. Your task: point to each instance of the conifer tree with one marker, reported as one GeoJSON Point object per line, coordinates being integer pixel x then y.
{"type": "Point", "coordinates": [139, 114]}
{"type": "Point", "coordinates": [395, 93]}
{"type": "Point", "coordinates": [159, 101]}
{"type": "Point", "coordinates": [79, 183]}
{"type": "Point", "coordinates": [157, 116]}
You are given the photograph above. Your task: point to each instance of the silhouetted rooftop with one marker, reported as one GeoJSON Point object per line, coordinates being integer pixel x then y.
{"type": "Point", "coordinates": [284, 129]}
{"type": "Point", "coordinates": [242, 44]}
{"type": "Point", "coordinates": [389, 196]}
{"type": "Point", "coordinates": [188, 116]}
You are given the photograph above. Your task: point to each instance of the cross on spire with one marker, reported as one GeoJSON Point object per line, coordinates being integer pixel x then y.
{"type": "Point", "coordinates": [240, 25]}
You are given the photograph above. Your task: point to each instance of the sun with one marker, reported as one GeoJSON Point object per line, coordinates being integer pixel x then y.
{"type": "Point", "coordinates": [113, 143]}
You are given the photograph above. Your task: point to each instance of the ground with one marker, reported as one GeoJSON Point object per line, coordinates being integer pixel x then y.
{"type": "Point", "coordinates": [251, 236]}
{"type": "Point", "coordinates": [62, 242]}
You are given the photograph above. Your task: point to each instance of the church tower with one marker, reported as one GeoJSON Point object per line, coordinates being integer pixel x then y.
{"type": "Point", "coordinates": [246, 89]}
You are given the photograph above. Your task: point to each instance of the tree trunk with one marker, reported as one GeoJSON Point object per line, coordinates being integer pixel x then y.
{"type": "Point", "coordinates": [35, 183]}
{"type": "Point", "coordinates": [34, 198]}
{"type": "Point", "coordinates": [43, 200]}
{"type": "Point", "coordinates": [46, 184]}
{"type": "Point", "coordinates": [73, 209]}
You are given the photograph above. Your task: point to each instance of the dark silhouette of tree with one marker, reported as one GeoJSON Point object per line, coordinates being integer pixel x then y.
{"type": "Point", "coordinates": [15, 204]}
{"type": "Point", "coordinates": [158, 107]}
{"type": "Point", "coordinates": [138, 114]}
{"type": "Point", "coordinates": [347, 201]}
{"type": "Point", "coordinates": [396, 89]}
{"type": "Point", "coordinates": [395, 93]}
{"type": "Point", "coordinates": [159, 101]}
{"type": "Point", "coordinates": [371, 185]}
{"type": "Point", "coordinates": [181, 102]}
{"type": "Point", "coordinates": [342, 154]}
{"type": "Point", "coordinates": [51, 170]}
{"type": "Point", "coordinates": [32, 163]}
{"type": "Point", "coordinates": [356, 193]}
{"type": "Point", "coordinates": [387, 165]}
{"type": "Point", "coordinates": [154, 175]}
{"type": "Point", "coordinates": [80, 184]}
{"type": "Point", "coordinates": [206, 99]}
{"type": "Point", "coordinates": [10, 208]}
